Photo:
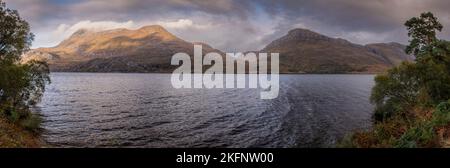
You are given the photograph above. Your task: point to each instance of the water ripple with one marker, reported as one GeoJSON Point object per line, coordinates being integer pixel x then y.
{"type": "Point", "coordinates": [143, 110]}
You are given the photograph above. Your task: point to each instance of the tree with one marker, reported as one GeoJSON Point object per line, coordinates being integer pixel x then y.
{"type": "Point", "coordinates": [426, 81]}
{"type": "Point", "coordinates": [412, 100]}
{"type": "Point", "coordinates": [422, 31]}
{"type": "Point", "coordinates": [21, 84]}
{"type": "Point", "coordinates": [433, 57]}
{"type": "Point", "coordinates": [15, 36]}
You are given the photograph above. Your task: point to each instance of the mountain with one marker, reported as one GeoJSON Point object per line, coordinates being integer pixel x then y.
{"type": "Point", "coordinates": [305, 51]}
{"type": "Point", "coordinates": [148, 49]}
{"type": "Point", "coordinates": [393, 53]}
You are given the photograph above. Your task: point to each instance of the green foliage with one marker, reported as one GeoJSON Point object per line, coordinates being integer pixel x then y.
{"type": "Point", "coordinates": [14, 116]}
{"type": "Point", "coordinates": [425, 82]}
{"type": "Point", "coordinates": [15, 36]}
{"type": "Point", "coordinates": [435, 81]}
{"type": "Point", "coordinates": [395, 90]}
{"type": "Point", "coordinates": [21, 84]}
{"type": "Point", "coordinates": [399, 131]}
{"type": "Point", "coordinates": [32, 122]}
{"type": "Point", "coordinates": [441, 116]}
{"type": "Point", "coordinates": [424, 132]}
{"type": "Point", "coordinates": [421, 135]}
{"type": "Point", "coordinates": [405, 94]}
{"type": "Point", "coordinates": [422, 31]}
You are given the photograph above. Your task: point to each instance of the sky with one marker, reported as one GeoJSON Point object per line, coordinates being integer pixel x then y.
{"type": "Point", "coordinates": [231, 25]}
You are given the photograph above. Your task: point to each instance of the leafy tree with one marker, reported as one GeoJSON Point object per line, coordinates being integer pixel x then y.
{"type": "Point", "coordinates": [21, 84]}
{"type": "Point", "coordinates": [15, 36]}
{"type": "Point", "coordinates": [412, 100]}
{"type": "Point", "coordinates": [426, 81]}
{"type": "Point", "coordinates": [422, 31]}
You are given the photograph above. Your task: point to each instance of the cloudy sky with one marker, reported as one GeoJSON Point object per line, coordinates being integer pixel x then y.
{"type": "Point", "coordinates": [231, 25]}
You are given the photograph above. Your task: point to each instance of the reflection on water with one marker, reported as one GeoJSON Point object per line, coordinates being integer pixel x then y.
{"type": "Point", "coordinates": [143, 110]}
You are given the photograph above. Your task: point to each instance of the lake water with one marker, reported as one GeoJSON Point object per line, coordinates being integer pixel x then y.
{"type": "Point", "coordinates": [143, 110]}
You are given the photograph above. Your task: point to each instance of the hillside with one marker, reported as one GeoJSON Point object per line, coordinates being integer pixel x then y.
{"type": "Point", "coordinates": [305, 51]}
{"type": "Point", "coordinates": [150, 48]}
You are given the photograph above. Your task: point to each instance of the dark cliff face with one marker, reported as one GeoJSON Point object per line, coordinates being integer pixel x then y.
{"type": "Point", "coordinates": [150, 49]}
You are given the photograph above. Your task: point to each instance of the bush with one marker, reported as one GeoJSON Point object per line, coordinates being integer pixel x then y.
{"type": "Point", "coordinates": [32, 123]}
{"type": "Point", "coordinates": [441, 116]}
{"type": "Point", "coordinates": [395, 90]}
{"type": "Point", "coordinates": [14, 116]}
{"type": "Point", "coordinates": [422, 135]}
{"type": "Point", "coordinates": [405, 131]}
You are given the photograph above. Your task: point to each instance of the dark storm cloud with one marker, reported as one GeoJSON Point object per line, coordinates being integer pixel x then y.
{"type": "Point", "coordinates": [35, 11]}
{"type": "Point", "coordinates": [344, 17]}
{"type": "Point", "coordinates": [44, 10]}
{"type": "Point", "coordinates": [239, 24]}
{"type": "Point", "coordinates": [374, 15]}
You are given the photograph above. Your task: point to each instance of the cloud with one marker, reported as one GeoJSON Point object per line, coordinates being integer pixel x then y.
{"type": "Point", "coordinates": [232, 25]}
{"type": "Point", "coordinates": [65, 30]}
{"type": "Point", "coordinates": [182, 24]}
{"type": "Point", "coordinates": [356, 19]}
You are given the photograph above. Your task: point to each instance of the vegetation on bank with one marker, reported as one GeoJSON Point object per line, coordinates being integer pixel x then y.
{"type": "Point", "coordinates": [21, 84]}
{"type": "Point", "coordinates": [412, 100]}
{"type": "Point", "coordinates": [14, 136]}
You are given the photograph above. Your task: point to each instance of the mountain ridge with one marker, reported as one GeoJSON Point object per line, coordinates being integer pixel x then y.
{"type": "Point", "coordinates": [149, 49]}
{"type": "Point", "coordinates": [305, 51]}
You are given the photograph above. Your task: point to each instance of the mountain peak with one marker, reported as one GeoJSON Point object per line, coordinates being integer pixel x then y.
{"type": "Point", "coordinates": [296, 36]}
{"type": "Point", "coordinates": [301, 31]}
{"type": "Point", "coordinates": [157, 30]}
{"type": "Point", "coordinates": [143, 30]}
{"type": "Point", "coordinates": [303, 50]}
{"type": "Point", "coordinates": [305, 34]}
{"type": "Point", "coordinates": [146, 49]}
{"type": "Point", "coordinates": [153, 28]}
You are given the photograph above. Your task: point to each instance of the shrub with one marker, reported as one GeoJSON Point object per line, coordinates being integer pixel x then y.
{"type": "Point", "coordinates": [441, 116]}
{"type": "Point", "coordinates": [422, 135]}
{"type": "Point", "coordinates": [395, 90]}
{"type": "Point", "coordinates": [32, 123]}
